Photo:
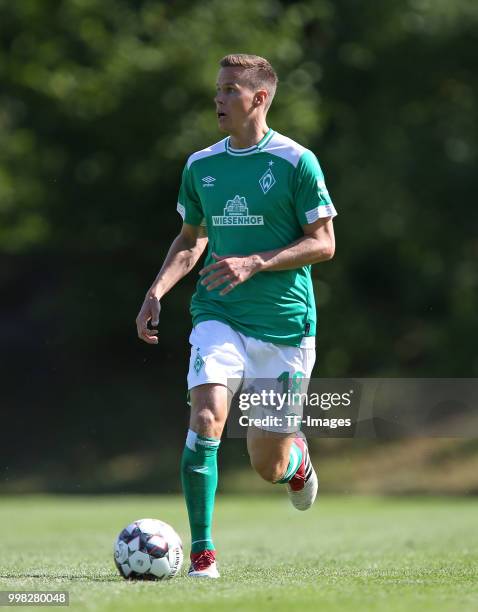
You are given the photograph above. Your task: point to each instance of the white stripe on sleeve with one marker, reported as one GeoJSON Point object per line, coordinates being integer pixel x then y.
{"type": "Point", "coordinates": [320, 212]}
{"type": "Point", "coordinates": [181, 210]}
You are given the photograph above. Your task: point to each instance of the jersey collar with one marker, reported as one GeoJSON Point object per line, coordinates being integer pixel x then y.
{"type": "Point", "coordinates": [254, 149]}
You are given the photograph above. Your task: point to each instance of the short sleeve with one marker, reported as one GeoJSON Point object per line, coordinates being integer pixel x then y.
{"type": "Point", "coordinates": [311, 198]}
{"type": "Point", "coordinates": [189, 204]}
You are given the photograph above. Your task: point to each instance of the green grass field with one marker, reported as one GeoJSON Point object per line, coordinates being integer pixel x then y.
{"type": "Point", "coordinates": [347, 553]}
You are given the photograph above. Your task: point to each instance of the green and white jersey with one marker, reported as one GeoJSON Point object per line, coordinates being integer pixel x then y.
{"type": "Point", "coordinates": [253, 200]}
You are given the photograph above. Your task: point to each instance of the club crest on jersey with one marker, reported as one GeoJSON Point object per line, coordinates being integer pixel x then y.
{"type": "Point", "coordinates": [208, 181]}
{"type": "Point", "coordinates": [267, 181]}
{"type": "Point", "coordinates": [236, 212]}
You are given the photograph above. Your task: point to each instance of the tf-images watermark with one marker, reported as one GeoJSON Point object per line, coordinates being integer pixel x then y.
{"type": "Point", "coordinates": [369, 408]}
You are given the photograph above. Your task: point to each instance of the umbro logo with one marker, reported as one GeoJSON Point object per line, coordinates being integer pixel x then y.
{"type": "Point", "coordinates": [208, 181]}
{"type": "Point", "coordinates": [199, 469]}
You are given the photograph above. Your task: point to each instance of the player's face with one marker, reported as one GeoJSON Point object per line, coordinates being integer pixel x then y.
{"type": "Point", "coordinates": [234, 100]}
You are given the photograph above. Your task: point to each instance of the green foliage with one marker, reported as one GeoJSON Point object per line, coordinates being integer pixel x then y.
{"type": "Point", "coordinates": [101, 103]}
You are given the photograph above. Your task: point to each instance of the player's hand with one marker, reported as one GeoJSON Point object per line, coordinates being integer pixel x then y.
{"type": "Point", "coordinates": [229, 269]}
{"type": "Point", "coordinates": [149, 312]}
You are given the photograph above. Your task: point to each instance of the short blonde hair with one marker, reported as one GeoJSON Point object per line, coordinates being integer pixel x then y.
{"type": "Point", "coordinates": [259, 74]}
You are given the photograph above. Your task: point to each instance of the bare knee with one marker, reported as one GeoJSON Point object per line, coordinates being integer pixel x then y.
{"type": "Point", "coordinates": [208, 410]}
{"type": "Point", "coordinates": [206, 423]}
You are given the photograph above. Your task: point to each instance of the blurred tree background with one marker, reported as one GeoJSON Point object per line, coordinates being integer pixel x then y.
{"type": "Point", "coordinates": [100, 105]}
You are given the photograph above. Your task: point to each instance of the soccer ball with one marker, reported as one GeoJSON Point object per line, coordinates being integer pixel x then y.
{"type": "Point", "coordinates": [148, 549]}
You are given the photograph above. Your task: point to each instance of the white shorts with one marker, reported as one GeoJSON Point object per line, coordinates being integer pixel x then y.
{"type": "Point", "coordinates": [222, 355]}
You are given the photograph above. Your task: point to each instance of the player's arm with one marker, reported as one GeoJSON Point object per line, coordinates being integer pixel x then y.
{"type": "Point", "coordinates": [182, 256]}
{"type": "Point", "coordinates": [316, 245]}
{"type": "Point", "coordinates": [314, 211]}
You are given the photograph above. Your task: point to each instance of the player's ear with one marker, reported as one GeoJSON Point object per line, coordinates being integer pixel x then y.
{"type": "Point", "coordinates": [260, 97]}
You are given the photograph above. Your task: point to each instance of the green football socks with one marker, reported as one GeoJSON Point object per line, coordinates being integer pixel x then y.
{"type": "Point", "coordinates": [199, 480]}
{"type": "Point", "coordinates": [295, 459]}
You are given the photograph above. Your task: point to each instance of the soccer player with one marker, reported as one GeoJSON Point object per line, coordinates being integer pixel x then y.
{"type": "Point", "coordinates": [258, 201]}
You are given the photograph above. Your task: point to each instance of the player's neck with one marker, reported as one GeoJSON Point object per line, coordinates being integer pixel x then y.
{"type": "Point", "coordinates": [248, 136]}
